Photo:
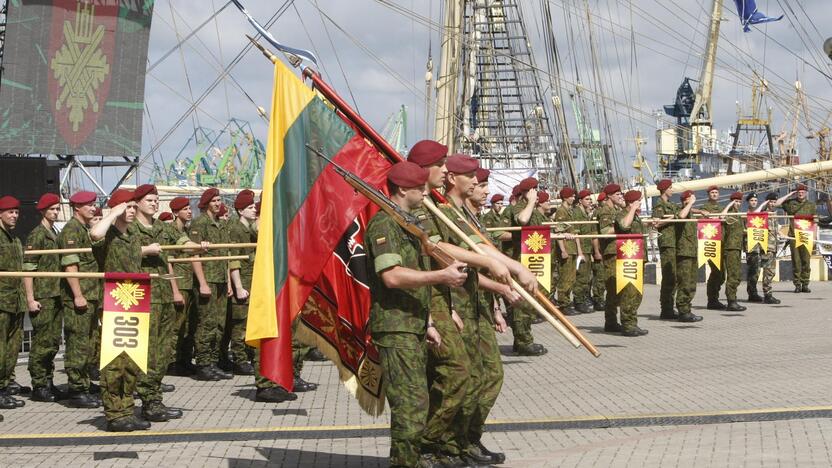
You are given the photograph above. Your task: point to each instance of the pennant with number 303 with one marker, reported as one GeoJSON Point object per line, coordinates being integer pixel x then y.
{"type": "Point", "coordinates": [629, 262]}
{"type": "Point", "coordinates": [536, 253]}
{"type": "Point", "coordinates": [709, 242]}
{"type": "Point", "coordinates": [125, 323]}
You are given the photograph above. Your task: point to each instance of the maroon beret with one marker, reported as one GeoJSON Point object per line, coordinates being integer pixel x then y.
{"type": "Point", "coordinates": [207, 196]}
{"type": "Point", "coordinates": [515, 191]}
{"type": "Point", "coordinates": [9, 203]}
{"type": "Point", "coordinates": [166, 216]}
{"type": "Point", "coordinates": [427, 152]}
{"type": "Point", "coordinates": [685, 195]}
{"type": "Point", "coordinates": [82, 198]}
{"type": "Point", "coordinates": [120, 196]}
{"type": "Point", "coordinates": [47, 200]}
{"type": "Point", "coordinates": [664, 184]}
{"type": "Point", "coordinates": [712, 188]}
{"type": "Point", "coordinates": [144, 189]}
{"type": "Point", "coordinates": [461, 164]}
{"type": "Point", "coordinates": [527, 184]}
{"type": "Point", "coordinates": [611, 189]}
{"type": "Point", "coordinates": [178, 203]}
{"type": "Point", "coordinates": [584, 193]}
{"type": "Point", "coordinates": [566, 192]}
{"type": "Point", "coordinates": [632, 195]}
{"type": "Point", "coordinates": [98, 211]}
{"type": "Point", "coordinates": [497, 197]}
{"type": "Point", "coordinates": [223, 210]}
{"type": "Point", "coordinates": [407, 174]}
{"type": "Point", "coordinates": [244, 199]}
{"type": "Point", "coordinates": [736, 196]}
{"type": "Point", "coordinates": [257, 205]}
{"type": "Point", "coordinates": [542, 197]}
{"type": "Point", "coordinates": [801, 187]}
{"type": "Point", "coordinates": [482, 175]}
{"type": "Point", "coordinates": [602, 196]}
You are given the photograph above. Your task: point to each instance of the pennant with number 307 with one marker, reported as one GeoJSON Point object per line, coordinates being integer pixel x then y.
{"type": "Point", "coordinates": [629, 262]}
{"type": "Point", "coordinates": [536, 253]}
{"type": "Point", "coordinates": [125, 323]}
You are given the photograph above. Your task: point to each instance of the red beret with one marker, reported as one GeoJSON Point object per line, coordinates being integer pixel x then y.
{"type": "Point", "coordinates": [144, 189]}
{"type": "Point", "coordinates": [482, 175]}
{"type": "Point", "coordinates": [584, 193]}
{"type": "Point", "coordinates": [223, 210]}
{"type": "Point", "coordinates": [82, 198]}
{"type": "Point", "coordinates": [632, 195]}
{"type": "Point", "coordinates": [120, 196]}
{"type": "Point", "coordinates": [801, 187]}
{"type": "Point", "coordinates": [166, 216]}
{"type": "Point", "coordinates": [178, 203]}
{"type": "Point", "coordinates": [406, 174]}
{"type": "Point", "coordinates": [602, 196]}
{"type": "Point", "coordinates": [98, 211]}
{"type": "Point", "coordinates": [736, 196]}
{"type": "Point", "coordinates": [207, 196]}
{"type": "Point", "coordinates": [713, 187]}
{"type": "Point", "coordinates": [244, 199]}
{"type": "Point", "coordinates": [542, 197]}
{"type": "Point", "coordinates": [527, 184]}
{"type": "Point", "coordinates": [9, 203]}
{"type": "Point", "coordinates": [461, 164]}
{"type": "Point", "coordinates": [497, 197]}
{"type": "Point", "coordinates": [567, 192]}
{"type": "Point", "coordinates": [257, 205]}
{"type": "Point", "coordinates": [427, 152]}
{"type": "Point", "coordinates": [611, 189]}
{"type": "Point", "coordinates": [685, 195]}
{"type": "Point", "coordinates": [47, 200]}
{"type": "Point", "coordinates": [664, 184]}
{"type": "Point", "coordinates": [515, 191]}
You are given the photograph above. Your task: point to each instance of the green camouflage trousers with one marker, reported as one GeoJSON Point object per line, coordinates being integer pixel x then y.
{"type": "Point", "coordinates": [167, 336]}
{"type": "Point", "coordinates": [611, 301]}
{"type": "Point", "coordinates": [11, 335]}
{"type": "Point", "coordinates": [583, 279]}
{"type": "Point", "coordinates": [406, 386]}
{"type": "Point", "coordinates": [598, 281]}
{"type": "Point", "coordinates": [768, 263]}
{"type": "Point", "coordinates": [46, 338]}
{"type": "Point", "coordinates": [521, 324]}
{"type": "Point", "coordinates": [566, 280]}
{"type": "Point", "coordinates": [449, 380]}
{"type": "Point", "coordinates": [800, 265]}
{"type": "Point", "coordinates": [95, 341]}
{"type": "Point", "coordinates": [184, 327]}
{"type": "Point", "coordinates": [752, 259]}
{"type": "Point", "coordinates": [79, 329]}
{"type": "Point", "coordinates": [630, 300]}
{"type": "Point", "coordinates": [667, 294]}
{"type": "Point", "coordinates": [471, 339]}
{"type": "Point", "coordinates": [240, 352]}
{"type": "Point", "coordinates": [210, 325]}
{"type": "Point", "coordinates": [716, 278]}
{"type": "Point", "coordinates": [732, 263]}
{"type": "Point", "coordinates": [686, 277]}
{"type": "Point", "coordinates": [149, 385]}
{"type": "Point", "coordinates": [492, 378]}
{"type": "Point", "coordinates": [118, 382]}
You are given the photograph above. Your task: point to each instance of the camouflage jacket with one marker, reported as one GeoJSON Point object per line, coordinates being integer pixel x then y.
{"type": "Point", "coordinates": [239, 233]}
{"type": "Point", "coordinates": [667, 233]}
{"type": "Point", "coordinates": [733, 230]}
{"type": "Point", "coordinates": [43, 238]}
{"type": "Point", "coordinates": [162, 234]}
{"type": "Point", "coordinates": [686, 242]}
{"type": "Point", "coordinates": [120, 252]}
{"type": "Point", "coordinates": [12, 294]}
{"type": "Point", "coordinates": [581, 215]}
{"type": "Point", "coordinates": [203, 228]}
{"type": "Point", "coordinates": [794, 207]}
{"type": "Point", "coordinates": [606, 225]}
{"type": "Point", "coordinates": [76, 235]}
{"type": "Point", "coordinates": [184, 270]}
{"type": "Point", "coordinates": [636, 227]}
{"type": "Point", "coordinates": [567, 213]}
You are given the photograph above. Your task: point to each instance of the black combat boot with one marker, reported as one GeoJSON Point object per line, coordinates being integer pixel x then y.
{"type": "Point", "coordinates": [534, 349]}
{"type": "Point", "coordinates": [754, 297]}
{"type": "Point", "coordinates": [689, 317]}
{"type": "Point", "coordinates": [496, 457]}
{"type": "Point", "coordinates": [612, 327]}
{"type": "Point", "coordinates": [43, 394]}
{"type": "Point", "coordinates": [735, 306]}
{"type": "Point", "coordinates": [669, 314]}
{"type": "Point", "coordinates": [805, 289]}
{"type": "Point", "coordinates": [223, 375]}
{"type": "Point", "coordinates": [206, 373]}
{"type": "Point", "coordinates": [82, 400]}
{"type": "Point", "coordinates": [274, 395]}
{"type": "Point", "coordinates": [769, 299]}
{"type": "Point", "coordinates": [243, 368]}
{"type": "Point", "coordinates": [598, 306]}
{"type": "Point", "coordinates": [715, 305]}
{"type": "Point", "coordinates": [301, 385]}
{"type": "Point", "coordinates": [633, 332]}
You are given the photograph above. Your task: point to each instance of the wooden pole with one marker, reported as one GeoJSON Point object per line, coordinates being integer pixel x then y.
{"type": "Point", "coordinates": [164, 247]}
{"type": "Point", "coordinates": [64, 274]}
{"type": "Point", "coordinates": [208, 259]}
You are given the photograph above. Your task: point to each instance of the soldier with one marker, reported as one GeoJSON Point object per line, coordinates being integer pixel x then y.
{"type": "Point", "coordinates": [186, 311]}
{"type": "Point", "coordinates": [12, 300]}
{"type": "Point", "coordinates": [119, 252]}
{"type": "Point", "coordinates": [598, 274]}
{"type": "Point", "coordinates": [768, 259]}
{"type": "Point", "coordinates": [800, 205]}
{"type": "Point", "coordinates": [732, 248]}
{"type": "Point", "coordinates": [753, 258]}
{"type": "Point", "coordinates": [583, 278]}
{"type": "Point", "coordinates": [399, 314]}
{"type": "Point", "coordinates": [43, 296]}
{"type": "Point", "coordinates": [686, 268]}
{"type": "Point", "coordinates": [152, 232]}
{"type": "Point", "coordinates": [716, 277]}
{"type": "Point", "coordinates": [665, 208]}
{"type": "Point", "coordinates": [213, 280]}
{"type": "Point", "coordinates": [627, 221]}
{"type": "Point", "coordinates": [240, 231]}
{"type": "Point", "coordinates": [166, 217]}
{"type": "Point", "coordinates": [224, 215]}
{"type": "Point", "coordinates": [567, 252]}
{"type": "Point", "coordinates": [606, 225]}
{"type": "Point", "coordinates": [81, 299]}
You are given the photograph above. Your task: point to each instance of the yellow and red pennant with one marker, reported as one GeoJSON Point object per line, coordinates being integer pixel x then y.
{"type": "Point", "coordinates": [756, 229]}
{"type": "Point", "coordinates": [125, 323]}
{"type": "Point", "coordinates": [709, 242]}
{"type": "Point", "coordinates": [629, 262]}
{"type": "Point", "coordinates": [804, 232]}
{"type": "Point", "coordinates": [536, 253]}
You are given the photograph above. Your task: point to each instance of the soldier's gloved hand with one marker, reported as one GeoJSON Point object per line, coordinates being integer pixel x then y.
{"type": "Point", "coordinates": [454, 274]}
{"type": "Point", "coordinates": [34, 306]}
{"type": "Point", "coordinates": [80, 303]}
{"type": "Point", "coordinates": [528, 280]}
{"type": "Point", "coordinates": [457, 320]}
{"type": "Point", "coordinates": [433, 337]}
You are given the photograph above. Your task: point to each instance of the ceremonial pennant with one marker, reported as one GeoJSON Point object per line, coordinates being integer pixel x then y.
{"type": "Point", "coordinates": [629, 262]}
{"type": "Point", "coordinates": [709, 242]}
{"type": "Point", "coordinates": [125, 323]}
{"type": "Point", "coordinates": [804, 232]}
{"type": "Point", "coordinates": [756, 226]}
{"type": "Point", "coordinates": [536, 253]}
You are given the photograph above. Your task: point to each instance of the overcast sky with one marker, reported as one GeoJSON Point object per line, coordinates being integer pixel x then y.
{"type": "Point", "coordinates": [669, 40]}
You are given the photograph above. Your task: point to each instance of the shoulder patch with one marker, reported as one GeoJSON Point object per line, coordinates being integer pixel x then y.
{"type": "Point", "coordinates": [381, 241]}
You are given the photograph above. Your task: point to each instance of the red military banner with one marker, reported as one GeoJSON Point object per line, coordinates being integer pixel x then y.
{"type": "Point", "coordinates": [125, 323]}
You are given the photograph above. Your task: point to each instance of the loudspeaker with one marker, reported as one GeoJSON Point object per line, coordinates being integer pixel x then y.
{"type": "Point", "coordinates": [27, 178]}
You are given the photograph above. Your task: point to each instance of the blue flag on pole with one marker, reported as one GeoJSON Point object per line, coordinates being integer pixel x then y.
{"type": "Point", "coordinates": [749, 14]}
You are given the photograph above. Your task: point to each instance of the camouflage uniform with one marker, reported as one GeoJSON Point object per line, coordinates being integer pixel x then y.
{"type": "Point", "coordinates": [239, 233]}
{"type": "Point", "coordinates": [733, 231]}
{"type": "Point", "coordinates": [521, 323]}
{"type": "Point", "coordinates": [668, 254]}
{"type": "Point", "coordinates": [606, 225]}
{"type": "Point", "coordinates": [211, 310]}
{"type": "Point", "coordinates": [186, 313]}
{"type": "Point", "coordinates": [46, 324]}
{"type": "Point", "coordinates": [583, 276]}
{"type": "Point", "coordinates": [12, 306]}
{"type": "Point", "coordinates": [120, 252]}
{"type": "Point", "coordinates": [768, 259]}
{"type": "Point", "coordinates": [598, 272]}
{"type": "Point", "coordinates": [493, 219]}
{"type": "Point", "coordinates": [79, 325]}
{"type": "Point", "coordinates": [800, 256]}
{"type": "Point", "coordinates": [629, 298]}
{"type": "Point", "coordinates": [566, 266]}
{"type": "Point", "coordinates": [398, 321]}
{"type": "Point", "coordinates": [717, 276]}
{"type": "Point", "coordinates": [687, 271]}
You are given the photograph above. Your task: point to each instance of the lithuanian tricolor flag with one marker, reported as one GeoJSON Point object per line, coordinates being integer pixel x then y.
{"type": "Point", "coordinates": [306, 208]}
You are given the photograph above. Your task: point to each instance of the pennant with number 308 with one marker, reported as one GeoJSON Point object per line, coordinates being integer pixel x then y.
{"type": "Point", "coordinates": [709, 242]}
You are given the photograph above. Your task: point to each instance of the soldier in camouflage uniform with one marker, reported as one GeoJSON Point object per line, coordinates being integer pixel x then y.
{"type": "Point", "coordinates": [687, 270]}
{"type": "Point", "coordinates": [566, 252]}
{"type": "Point", "coordinates": [664, 208]}
{"type": "Point", "coordinates": [241, 231]}
{"type": "Point", "coordinates": [43, 296]}
{"type": "Point", "coordinates": [399, 286]}
{"type": "Point", "coordinates": [627, 221]}
{"type": "Point", "coordinates": [768, 259]}
{"type": "Point", "coordinates": [716, 277]}
{"type": "Point", "coordinates": [186, 311]}
{"type": "Point", "coordinates": [752, 257]}
{"type": "Point", "coordinates": [800, 205]}
{"type": "Point", "coordinates": [583, 276]}
{"type": "Point", "coordinates": [599, 279]}
{"type": "Point", "coordinates": [213, 276]}
{"type": "Point", "coordinates": [732, 247]}
{"type": "Point", "coordinates": [81, 299]}
{"type": "Point", "coordinates": [607, 214]}
{"type": "Point", "coordinates": [12, 300]}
